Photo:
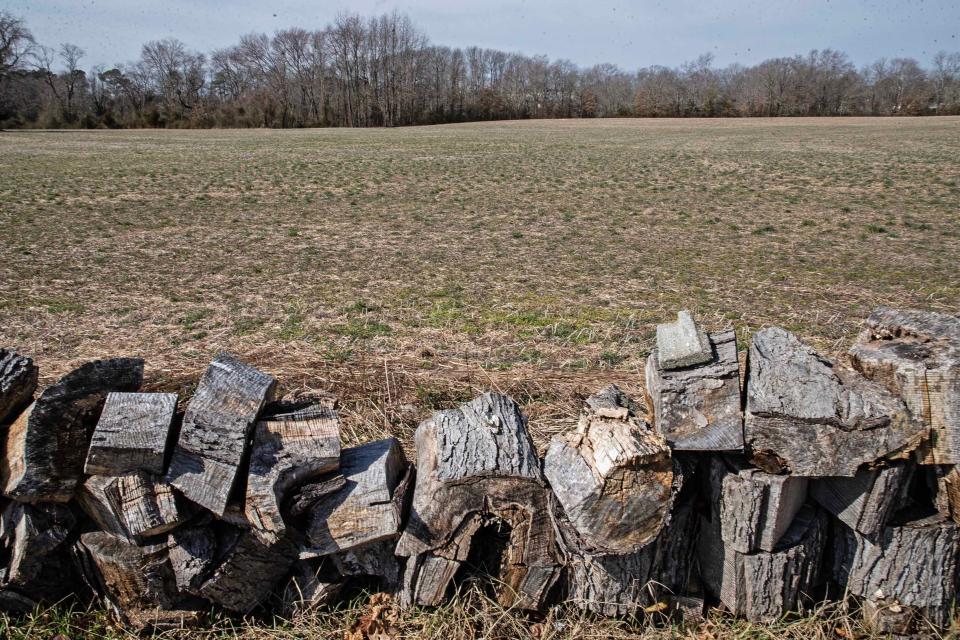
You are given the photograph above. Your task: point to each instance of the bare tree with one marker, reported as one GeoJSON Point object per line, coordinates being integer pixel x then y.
{"type": "Point", "coordinates": [16, 43]}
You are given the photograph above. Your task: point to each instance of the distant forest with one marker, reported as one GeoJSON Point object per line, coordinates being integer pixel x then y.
{"type": "Point", "coordinates": [383, 71]}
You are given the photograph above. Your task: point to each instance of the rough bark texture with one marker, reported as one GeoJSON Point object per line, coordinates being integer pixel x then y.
{"type": "Point", "coordinates": [375, 562]}
{"type": "Point", "coordinates": [947, 496]}
{"type": "Point", "coordinates": [613, 475]}
{"type": "Point", "coordinates": [128, 576]}
{"type": "Point", "coordinates": [916, 354]}
{"type": "Point", "coordinates": [294, 444]}
{"type": "Point", "coordinates": [809, 417]}
{"type": "Point", "coordinates": [477, 468]}
{"type": "Point", "coordinates": [698, 408]}
{"type": "Point", "coordinates": [368, 508]}
{"type": "Point", "coordinates": [132, 434]}
{"type": "Point", "coordinates": [249, 572]}
{"type": "Point", "coordinates": [18, 381]}
{"type": "Point", "coordinates": [682, 343]}
{"type": "Point", "coordinates": [32, 539]}
{"type": "Point", "coordinates": [47, 445]}
{"type": "Point", "coordinates": [191, 551]}
{"type": "Point", "coordinates": [913, 564]}
{"type": "Point", "coordinates": [306, 496]}
{"type": "Point", "coordinates": [867, 500]}
{"type": "Point", "coordinates": [215, 429]}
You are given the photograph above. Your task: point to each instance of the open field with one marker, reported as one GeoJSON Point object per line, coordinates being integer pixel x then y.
{"type": "Point", "coordinates": [406, 269]}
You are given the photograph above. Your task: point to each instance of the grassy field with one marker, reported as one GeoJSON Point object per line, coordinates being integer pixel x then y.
{"type": "Point", "coordinates": [407, 269]}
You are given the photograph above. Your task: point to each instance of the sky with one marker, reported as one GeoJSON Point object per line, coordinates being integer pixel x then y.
{"type": "Point", "coordinates": [629, 34]}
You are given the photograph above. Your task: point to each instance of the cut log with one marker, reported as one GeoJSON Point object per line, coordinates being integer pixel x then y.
{"type": "Point", "coordinates": [191, 551]}
{"type": "Point", "coordinates": [867, 500]}
{"type": "Point", "coordinates": [132, 434]}
{"type": "Point", "coordinates": [911, 564]}
{"type": "Point", "coordinates": [947, 491]}
{"type": "Point", "coordinates": [613, 475]}
{"type": "Point", "coordinates": [306, 496]}
{"type": "Point", "coordinates": [293, 445]}
{"type": "Point", "coordinates": [698, 408]}
{"type": "Point", "coordinates": [249, 573]}
{"type": "Point", "coordinates": [478, 478]}
{"type": "Point", "coordinates": [755, 508]}
{"type": "Point", "coordinates": [18, 381]}
{"type": "Point", "coordinates": [147, 507]}
{"type": "Point", "coordinates": [311, 586]}
{"type": "Point", "coordinates": [368, 508]}
{"type": "Point", "coordinates": [32, 536]}
{"type": "Point", "coordinates": [762, 586]}
{"type": "Point", "coordinates": [809, 417]}
{"type": "Point", "coordinates": [916, 354]}
{"type": "Point", "coordinates": [374, 562]}
{"type": "Point", "coordinates": [215, 430]}
{"type": "Point", "coordinates": [682, 343]}
{"type": "Point", "coordinates": [96, 500]}
{"type": "Point", "coordinates": [47, 445]}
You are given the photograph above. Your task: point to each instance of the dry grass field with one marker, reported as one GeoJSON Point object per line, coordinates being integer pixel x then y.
{"type": "Point", "coordinates": [407, 269]}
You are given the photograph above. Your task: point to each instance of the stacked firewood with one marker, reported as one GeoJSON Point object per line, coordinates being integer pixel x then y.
{"type": "Point", "coordinates": [806, 480]}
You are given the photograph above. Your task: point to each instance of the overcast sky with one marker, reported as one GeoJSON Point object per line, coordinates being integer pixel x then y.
{"type": "Point", "coordinates": [630, 34]}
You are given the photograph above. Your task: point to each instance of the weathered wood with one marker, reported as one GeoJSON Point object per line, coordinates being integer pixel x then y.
{"type": "Point", "coordinates": [215, 430]}
{"type": "Point", "coordinates": [867, 500]}
{"type": "Point", "coordinates": [375, 561]}
{"type": "Point", "coordinates": [682, 343]}
{"type": "Point", "coordinates": [612, 475]}
{"type": "Point", "coordinates": [32, 538]}
{"type": "Point", "coordinates": [912, 564]}
{"type": "Point", "coordinates": [367, 508]}
{"type": "Point", "coordinates": [147, 506]}
{"type": "Point", "coordinates": [477, 469]}
{"type": "Point", "coordinates": [191, 551]}
{"type": "Point", "coordinates": [310, 587]}
{"type": "Point", "coordinates": [889, 618]}
{"type": "Point", "coordinates": [132, 434]}
{"type": "Point", "coordinates": [18, 381]}
{"type": "Point", "coordinates": [698, 408]}
{"type": "Point", "coordinates": [755, 508]}
{"type": "Point", "coordinates": [248, 573]}
{"type": "Point", "coordinates": [810, 417]}
{"type": "Point", "coordinates": [47, 445]}
{"type": "Point", "coordinates": [306, 496]}
{"type": "Point", "coordinates": [947, 491]}
{"type": "Point", "coordinates": [296, 443]}
{"type": "Point", "coordinates": [129, 577]}
{"type": "Point", "coordinates": [94, 498]}
{"type": "Point", "coordinates": [763, 585]}
{"type": "Point", "coordinates": [916, 354]}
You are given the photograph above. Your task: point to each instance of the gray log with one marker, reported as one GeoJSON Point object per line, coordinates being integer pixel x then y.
{"type": "Point", "coordinates": [249, 573]}
{"type": "Point", "coordinates": [373, 561]}
{"type": "Point", "coordinates": [132, 434]}
{"type": "Point", "coordinates": [916, 354]}
{"type": "Point", "coordinates": [95, 497]}
{"type": "Point", "coordinates": [809, 417]}
{"type": "Point", "coordinates": [147, 506]}
{"type": "Point", "coordinates": [698, 408]}
{"type": "Point", "coordinates": [867, 500]}
{"type": "Point", "coordinates": [215, 430]}
{"type": "Point", "coordinates": [947, 491]}
{"type": "Point", "coordinates": [18, 381]}
{"type": "Point", "coordinates": [291, 446]}
{"type": "Point", "coordinates": [612, 475]}
{"type": "Point", "coordinates": [309, 494]}
{"type": "Point", "coordinates": [32, 537]}
{"type": "Point", "coordinates": [47, 445]}
{"type": "Point", "coordinates": [192, 552]}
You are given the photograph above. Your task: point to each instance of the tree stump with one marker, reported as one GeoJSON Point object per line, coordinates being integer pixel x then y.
{"type": "Point", "coordinates": [132, 434]}
{"type": "Point", "coordinates": [867, 500]}
{"type": "Point", "coordinates": [809, 417]}
{"type": "Point", "coordinates": [18, 381]}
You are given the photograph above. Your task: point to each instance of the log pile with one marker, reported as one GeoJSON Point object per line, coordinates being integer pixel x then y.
{"type": "Point", "coordinates": [804, 479]}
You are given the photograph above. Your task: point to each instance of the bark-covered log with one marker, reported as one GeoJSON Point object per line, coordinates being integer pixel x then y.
{"type": "Point", "coordinates": [867, 500]}
{"type": "Point", "coordinates": [47, 445]}
{"type": "Point", "coordinates": [375, 562]}
{"type": "Point", "coordinates": [368, 508]}
{"type": "Point", "coordinates": [309, 494]}
{"type": "Point", "coordinates": [32, 539]}
{"type": "Point", "coordinates": [147, 506]}
{"type": "Point", "coordinates": [912, 564]}
{"type": "Point", "coordinates": [809, 417]}
{"type": "Point", "coordinates": [249, 573]}
{"type": "Point", "coordinates": [916, 354]}
{"type": "Point", "coordinates": [763, 585]}
{"type": "Point", "coordinates": [698, 408]}
{"type": "Point", "coordinates": [892, 618]}
{"type": "Point", "coordinates": [613, 475]}
{"type": "Point", "coordinates": [192, 551]}
{"type": "Point", "coordinates": [292, 445]}
{"type": "Point", "coordinates": [477, 470]}
{"type": "Point", "coordinates": [18, 381]}
{"type": "Point", "coordinates": [215, 430]}
{"type": "Point", "coordinates": [132, 434]}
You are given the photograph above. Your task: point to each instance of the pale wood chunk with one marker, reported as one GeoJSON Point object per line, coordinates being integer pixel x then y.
{"type": "Point", "coordinates": [866, 501]}
{"type": "Point", "coordinates": [147, 506]}
{"type": "Point", "coordinates": [18, 381]}
{"type": "Point", "coordinates": [613, 476]}
{"type": "Point", "coordinates": [698, 408]}
{"type": "Point", "coordinates": [682, 343]}
{"type": "Point", "coordinates": [132, 434]}
{"type": "Point", "coordinates": [810, 417]}
{"type": "Point", "coordinates": [216, 426]}
{"type": "Point", "coordinates": [47, 445]}
{"type": "Point", "coordinates": [97, 499]}
{"type": "Point", "coordinates": [249, 573]}
{"type": "Point", "coordinates": [293, 445]}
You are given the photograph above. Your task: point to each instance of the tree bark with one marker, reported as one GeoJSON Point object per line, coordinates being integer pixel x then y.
{"type": "Point", "coordinates": [18, 381]}
{"type": "Point", "coordinates": [33, 539]}
{"type": "Point", "coordinates": [132, 434]}
{"type": "Point", "coordinates": [249, 572]}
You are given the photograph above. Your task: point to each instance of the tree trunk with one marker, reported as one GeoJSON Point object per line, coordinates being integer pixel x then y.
{"type": "Point", "coordinates": [132, 434]}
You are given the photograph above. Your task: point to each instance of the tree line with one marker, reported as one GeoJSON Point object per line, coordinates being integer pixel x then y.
{"type": "Point", "coordinates": [384, 71]}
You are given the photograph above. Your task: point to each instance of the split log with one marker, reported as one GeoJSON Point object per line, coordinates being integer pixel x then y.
{"type": "Point", "coordinates": [294, 444]}
{"type": "Point", "coordinates": [613, 475]}
{"type": "Point", "coordinates": [311, 586]}
{"type": "Point", "coordinates": [18, 381]}
{"type": "Point", "coordinates": [47, 445]}
{"type": "Point", "coordinates": [912, 564]}
{"type": "Point", "coordinates": [755, 508]}
{"type": "Point", "coordinates": [916, 354]}
{"type": "Point", "coordinates": [309, 494]}
{"type": "Point", "coordinates": [866, 501]}
{"type": "Point", "coordinates": [32, 537]}
{"type": "Point", "coordinates": [374, 562]}
{"type": "Point", "coordinates": [215, 430]}
{"type": "Point", "coordinates": [947, 491]}
{"type": "Point", "coordinates": [132, 434]}
{"type": "Point", "coordinates": [698, 408]}
{"type": "Point", "coordinates": [369, 506]}
{"type": "Point", "coordinates": [147, 507]}
{"type": "Point", "coordinates": [764, 585]}
{"type": "Point", "coordinates": [249, 573]}
{"type": "Point", "coordinates": [95, 499]}
{"type": "Point", "coordinates": [682, 343]}
{"type": "Point", "coordinates": [479, 479]}
{"type": "Point", "coordinates": [809, 417]}
{"type": "Point", "coordinates": [191, 551]}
